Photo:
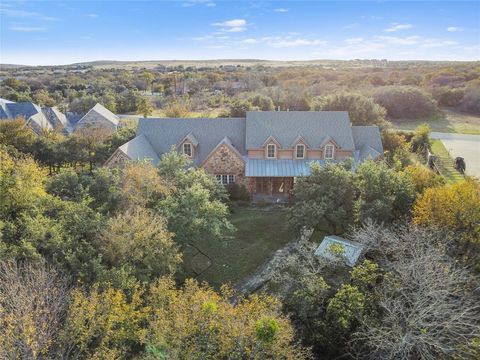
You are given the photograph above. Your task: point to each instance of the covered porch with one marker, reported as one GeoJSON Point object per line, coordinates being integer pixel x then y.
{"type": "Point", "coordinates": [271, 189]}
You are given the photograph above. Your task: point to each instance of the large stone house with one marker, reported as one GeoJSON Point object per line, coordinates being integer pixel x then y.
{"type": "Point", "coordinates": [265, 151]}
{"type": "Point", "coordinates": [51, 118]}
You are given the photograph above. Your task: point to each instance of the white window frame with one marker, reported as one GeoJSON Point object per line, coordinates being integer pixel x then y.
{"type": "Point", "coordinates": [274, 151]}
{"type": "Point", "coordinates": [303, 151]}
{"type": "Point", "coordinates": [225, 179]}
{"type": "Point", "coordinates": [191, 149]}
{"type": "Point", "coordinates": [329, 146]}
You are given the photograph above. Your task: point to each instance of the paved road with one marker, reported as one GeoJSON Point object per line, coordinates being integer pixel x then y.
{"type": "Point", "coordinates": [466, 146]}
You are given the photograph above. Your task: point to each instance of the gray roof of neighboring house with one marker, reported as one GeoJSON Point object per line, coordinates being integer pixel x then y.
{"type": "Point", "coordinates": [99, 111]}
{"type": "Point", "coordinates": [55, 117]}
{"type": "Point", "coordinates": [163, 133]}
{"type": "Point", "coordinates": [285, 126]}
{"type": "Point", "coordinates": [31, 112]}
{"type": "Point", "coordinates": [351, 249]}
{"type": "Point", "coordinates": [140, 149]}
{"type": "Point", "coordinates": [281, 167]}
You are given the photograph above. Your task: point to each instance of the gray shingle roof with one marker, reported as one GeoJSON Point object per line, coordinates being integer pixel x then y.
{"type": "Point", "coordinates": [286, 126]}
{"type": "Point", "coordinates": [162, 133]}
{"type": "Point", "coordinates": [367, 136]}
{"type": "Point", "coordinates": [140, 149]}
{"type": "Point", "coordinates": [99, 114]}
{"type": "Point", "coordinates": [31, 112]}
{"type": "Point", "coordinates": [55, 117]}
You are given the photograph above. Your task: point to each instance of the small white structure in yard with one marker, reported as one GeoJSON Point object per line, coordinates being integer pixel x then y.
{"type": "Point", "coordinates": [334, 247]}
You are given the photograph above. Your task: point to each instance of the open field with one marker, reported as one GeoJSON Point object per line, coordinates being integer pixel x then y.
{"type": "Point", "coordinates": [452, 122]}
{"type": "Point", "coordinates": [259, 234]}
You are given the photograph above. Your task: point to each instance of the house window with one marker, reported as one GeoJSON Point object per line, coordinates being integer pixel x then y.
{"type": "Point", "coordinates": [187, 149]}
{"type": "Point", "coordinates": [329, 151]}
{"type": "Point", "coordinates": [300, 151]}
{"type": "Point", "coordinates": [225, 179]}
{"type": "Point", "coordinates": [271, 148]}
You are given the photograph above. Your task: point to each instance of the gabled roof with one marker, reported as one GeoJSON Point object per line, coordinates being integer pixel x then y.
{"type": "Point", "coordinates": [140, 149]}
{"type": "Point", "coordinates": [299, 139]}
{"type": "Point", "coordinates": [31, 112]}
{"type": "Point", "coordinates": [226, 141]}
{"type": "Point", "coordinates": [285, 126]}
{"type": "Point", "coordinates": [328, 139]}
{"type": "Point", "coordinates": [99, 111]}
{"type": "Point", "coordinates": [56, 118]}
{"type": "Point", "coordinates": [162, 133]}
{"type": "Point", "coordinates": [271, 139]}
{"type": "Point", "coordinates": [190, 138]}
{"type": "Point", "coordinates": [367, 136]}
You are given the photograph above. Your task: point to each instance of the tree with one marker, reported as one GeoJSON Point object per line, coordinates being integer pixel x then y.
{"type": "Point", "coordinates": [423, 178]}
{"type": "Point", "coordinates": [43, 98]}
{"type": "Point", "coordinates": [195, 322]}
{"type": "Point", "coordinates": [362, 110]}
{"type": "Point", "coordinates": [17, 133]}
{"type": "Point", "coordinates": [21, 184]}
{"type": "Point", "coordinates": [425, 297]}
{"type": "Point", "coordinates": [177, 109]}
{"type": "Point", "coordinates": [454, 207]}
{"type": "Point", "coordinates": [144, 107]}
{"type": "Point", "coordinates": [262, 102]}
{"type": "Point", "coordinates": [406, 102]}
{"type": "Point", "coordinates": [239, 108]}
{"type": "Point", "coordinates": [324, 199]}
{"type": "Point", "coordinates": [196, 209]}
{"type": "Point", "coordinates": [384, 194]}
{"type": "Point", "coordinates": [421, 139]}
{"type": "Point", "coordinates": [33, 303]}
{"type": "Point", "coordinates": [103, 324]}
{"type": "Point", "coordinates": [138, 241]}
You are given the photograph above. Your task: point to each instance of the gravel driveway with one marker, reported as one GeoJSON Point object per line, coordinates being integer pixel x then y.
{"type": "Point", "coordinates": [466, 146]}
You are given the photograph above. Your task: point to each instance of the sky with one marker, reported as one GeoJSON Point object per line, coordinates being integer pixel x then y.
{"type": "Point", "coordinates": [65, 32]}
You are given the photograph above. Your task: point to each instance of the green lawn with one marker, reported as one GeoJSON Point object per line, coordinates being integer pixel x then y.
{"type": "Point", "coordinates": [451, 121]}
{"type": "Point", "coordinates": [445, 163]}
{"type": "Point", "coordinates": [259, 234]}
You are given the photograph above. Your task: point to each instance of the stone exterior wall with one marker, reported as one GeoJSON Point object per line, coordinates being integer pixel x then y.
{"type": "Point", "coordinates": [226, 161]}
{"type": "Point", "coordinates": [117, 158]}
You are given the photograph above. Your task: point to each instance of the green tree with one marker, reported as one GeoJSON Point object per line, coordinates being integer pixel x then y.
{"type": "Point", "coordinates": [144, 107]}
{"type": "Point", "coordinates": [324, 199]}
{"type": "Point", "coordinates": [385, 195]}
{"type": "Point", "coordinates": [406, 102]}
{"type": "Point", "coordinates": [362, 109]}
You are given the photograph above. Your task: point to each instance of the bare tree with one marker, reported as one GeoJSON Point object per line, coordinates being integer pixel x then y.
{"type": "Point", "coordinates": [429, 310]}
{"type": "Point", "coordinates": [33, 302]}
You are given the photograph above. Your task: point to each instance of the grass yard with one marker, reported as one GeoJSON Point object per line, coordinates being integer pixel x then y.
{"type": "Point", "coordinates": [451, 122]}
{"type": "Point", "coordinates": [259, 234]}
{"type": "Point", "coordinates": [445, 162]}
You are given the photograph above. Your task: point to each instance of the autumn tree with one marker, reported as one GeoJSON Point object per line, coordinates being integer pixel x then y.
{"type": "Point", "coordinates": [453, 207]}
{"type": "Point", "coordinates": [33, 303]}
{"type": "Point", "coordinates": [195, 322]}
{"type": "Point", "coordinates": [138, 242]}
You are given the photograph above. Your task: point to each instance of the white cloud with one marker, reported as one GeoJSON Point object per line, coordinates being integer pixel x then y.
{"type": "Point", "coordinates": [25, 14]}
{"type": "Point", "coordinates": [281, 10]}
{"type": "Point", "coordinates": [433, 43]}
{"type": "Point", "coordinates": [394, 40]}
{"type": "Point", "coordinates": [92, 16]}
{"type": "Point", "coordinates": [189, 3]}
{"type": "Point", "coordinates": [234, 25]}
{"type": "Point", "coordinates": [454, 29]}
{"type": "Point", "coordinates": [26, 28]}
{"type": "Point", "coordinates": [354, 40]}
{"type": "Point", "coordinates": [250, 41]}
{"type": "Point", "coordinates": [285, 41]}
{"type": "Point", "coordinates": [397, 27]}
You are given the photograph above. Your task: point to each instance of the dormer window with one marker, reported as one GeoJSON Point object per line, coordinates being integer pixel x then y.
{"type": "Point", "coordinates": [329, 151]}
{"type": "Point", "coordinates": [271, 151]}
{"type": "Point", "coordinates": [300, 151]}
{"type": "Point", "coordinates": [187, 149]}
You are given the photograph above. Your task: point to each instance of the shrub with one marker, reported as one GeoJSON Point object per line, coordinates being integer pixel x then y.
{"type": "Point", "coordinates": [471, 101]}
{"type": "Point", "coordinates": [238, 192]}
{"type": "Point", "coordinates": [406, 102]}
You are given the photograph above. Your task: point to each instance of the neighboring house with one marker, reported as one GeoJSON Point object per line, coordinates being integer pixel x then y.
{"type": "Point", "coordinates": [265, 151]}
{"type": "Point", "coordinates": [98, 116]}
{"type": "Point", "coordinates": [50, 118]}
